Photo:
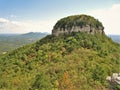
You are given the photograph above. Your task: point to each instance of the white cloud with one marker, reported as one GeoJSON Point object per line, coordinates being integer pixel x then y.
{"type": "Point", "coordinates": [40, 26]}
{"type": "Point", "coordinates": [110, 18]}
{"type": "Point", "coordinates": [9, 26]}
{"type": "Point", "coordinates": [3, 20]}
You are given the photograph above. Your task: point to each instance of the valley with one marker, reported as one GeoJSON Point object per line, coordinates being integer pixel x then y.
{"type": "Point", "coordinates": [10, 42]}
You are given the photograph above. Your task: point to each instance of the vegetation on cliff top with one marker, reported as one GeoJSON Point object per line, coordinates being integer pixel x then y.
{"type": "Point", "coordinates": [78, 61]}
{"type": "Point", "coordinates": [78, 20]}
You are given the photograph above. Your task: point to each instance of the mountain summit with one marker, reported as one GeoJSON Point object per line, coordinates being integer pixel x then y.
{"type": "Point", "coordinates": [76, 61]}
{"type": "Point", "coordinates": [78, 23]}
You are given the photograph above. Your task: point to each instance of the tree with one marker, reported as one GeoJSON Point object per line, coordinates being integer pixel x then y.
{"type": "Point", "coordinates": [66, 83]}
{"type": "Point", "coordinates": [42, 82]}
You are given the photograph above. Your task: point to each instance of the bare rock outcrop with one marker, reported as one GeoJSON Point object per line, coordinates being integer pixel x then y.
{"type": "Point", "coordinates": [113, 80]}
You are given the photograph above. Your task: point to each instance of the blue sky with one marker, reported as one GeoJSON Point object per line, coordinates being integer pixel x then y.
{"type": "Point", "coordinates": [21, 16]}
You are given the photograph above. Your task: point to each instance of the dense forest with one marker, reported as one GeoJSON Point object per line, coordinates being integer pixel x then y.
{"type": "Point", "coordinates": [79, 61]}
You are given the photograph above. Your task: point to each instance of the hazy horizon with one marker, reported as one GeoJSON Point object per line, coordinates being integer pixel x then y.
{"type": "Point", "coordinates": [47, 33]}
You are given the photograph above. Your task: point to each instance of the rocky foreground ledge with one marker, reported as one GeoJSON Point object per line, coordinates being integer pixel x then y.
{"type": "Point", "coordinates": [114, 81]}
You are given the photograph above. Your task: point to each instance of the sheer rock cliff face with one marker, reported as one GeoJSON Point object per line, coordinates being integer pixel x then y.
{"type": "Point", "coordinates": [87, 24]}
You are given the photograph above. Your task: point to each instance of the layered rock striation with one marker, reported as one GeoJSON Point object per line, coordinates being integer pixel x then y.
{"type": "Point", "coordinates": [78, 23]}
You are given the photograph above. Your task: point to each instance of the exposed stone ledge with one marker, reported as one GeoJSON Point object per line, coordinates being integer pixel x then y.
{"type": "Point", "coordinates": [113, 81]}
{"type": "Point", "coordinates": [86, 29]}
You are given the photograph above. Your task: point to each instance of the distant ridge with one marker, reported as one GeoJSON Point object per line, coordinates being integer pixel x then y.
{"type": "Point", "coordinates": [115, 38]}
{"type": "Point", "coordinates": [12, 41]}
{"type": "Point", "coordinates": [36, 33]}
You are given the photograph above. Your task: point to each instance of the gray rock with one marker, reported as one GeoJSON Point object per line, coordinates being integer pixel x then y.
{"type": "Point", "coordinates": [87, 29]}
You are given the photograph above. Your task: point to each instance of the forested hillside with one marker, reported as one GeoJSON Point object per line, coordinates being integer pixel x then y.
{"type": "Point", "coordinates": [79, 61]}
